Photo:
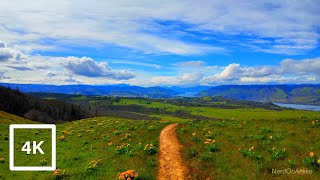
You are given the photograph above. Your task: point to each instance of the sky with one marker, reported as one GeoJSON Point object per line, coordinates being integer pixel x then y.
{"type": "Point", "coordinates": [160, 43]}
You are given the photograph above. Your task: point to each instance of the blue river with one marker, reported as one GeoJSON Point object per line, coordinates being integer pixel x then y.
{"type": "Point", "coordinates": [299, 106]}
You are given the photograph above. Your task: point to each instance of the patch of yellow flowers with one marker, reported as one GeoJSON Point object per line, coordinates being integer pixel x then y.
{"type": "Point", "coordinates": [59, 173]}
{"type": "Point", "coordinates": [128, 175]}
{"type": "Point", "coordinates": [93, 164]}
{"type": "Point", "coordinates": [208, 141]}
{"type": "Point", "coordinates": [146, 146]}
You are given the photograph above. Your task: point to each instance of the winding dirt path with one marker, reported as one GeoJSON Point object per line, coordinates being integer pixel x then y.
{"type": "Point", "coordinates": [171, 164]}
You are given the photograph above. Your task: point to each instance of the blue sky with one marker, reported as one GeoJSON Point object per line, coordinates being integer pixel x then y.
{"type": "Point", "coordinates": [166, 43]}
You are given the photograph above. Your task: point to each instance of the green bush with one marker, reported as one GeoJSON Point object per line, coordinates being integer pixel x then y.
{"type": "Point", "coordinates": [278, 154]}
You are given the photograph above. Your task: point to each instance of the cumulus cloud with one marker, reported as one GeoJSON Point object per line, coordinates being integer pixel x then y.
{"type": "Point", "coordinates": [301, 67]}
{"type": "Point", "coordinates": [3, 76]}
{"type": "Point", "coordinates": [7, 53]}
{"type": "Point", "coordinates": [88, 67]}
{"type": "Point", "coordinates": [288, 70]}
{"type": "Point", "coordinates": [180, 80]}
{"type": "Point", "coordinates": [2, 44]}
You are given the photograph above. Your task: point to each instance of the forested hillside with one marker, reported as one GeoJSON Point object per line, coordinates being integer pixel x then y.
{"type": "Point", "coordinates": [47, 111]}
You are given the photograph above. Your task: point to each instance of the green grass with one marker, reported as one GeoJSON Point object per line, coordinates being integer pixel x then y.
{"type": "Point", "coordinates": [277, 144]}
{"type": "Point", "coordinates": [6, 118]}
{"type": "Point", "coordinates": [239, 113]}
{"type": "Point", "coordinates": [117, 144]}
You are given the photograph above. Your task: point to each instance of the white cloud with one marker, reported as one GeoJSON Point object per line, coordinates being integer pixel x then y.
{"type": "Point", "coordinates": [191, 64]}
{"type": "Point", "coordinates": [3, 76]}
{"type": "Point", "coordinates": [58, 70]}
{"type": "Point", "coordinates": [306, 66]}
{"type": "Point", "coordinates": [2, 44]}
{"type": "Point", "coordinates": [51, 74]}
{"type": "Point", "coordinates": [88, 67]}
{"type": "Point", "coordinates": [157, 66]}
{"type": "Point", "coordinates": [180, 80]}
{"type": "Point", "coordinates": [288, 71]}
{"type": "Point", "coordinates": [290, 27]}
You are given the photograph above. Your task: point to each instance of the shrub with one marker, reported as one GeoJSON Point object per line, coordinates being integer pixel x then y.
{"type": "Point", "coordinates": [212, 147]}
{"type": "Point", "coordinates": [150, 149]}
{"type": "Point", "coordinates": [312, 161]}
{"type": "Point", "coordinates": [278, 154]}
{"type": "Point", "coordinates": [122, 149]}
{"type": "Point", "coordinates": [93, 166]}
{"type": "Point", "coordinates": [251, 154]}
{"type": "Point", "coordinates": [292, 163]}
{"type": "Point", "coordinates": [265, 130]}
{"type": "Point", "coordinates": [315, 124]}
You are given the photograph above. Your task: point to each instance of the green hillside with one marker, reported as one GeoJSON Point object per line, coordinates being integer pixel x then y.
{"type": "Point", "coordinates": [6, 118]}
{"type": "Point", "coordinates": [299, 94]}
{"type": "Point", "coordinates": [114, 145]}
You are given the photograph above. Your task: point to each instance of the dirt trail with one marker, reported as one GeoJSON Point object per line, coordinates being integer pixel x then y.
{"type": "Point", "coordinates": [171, 164]}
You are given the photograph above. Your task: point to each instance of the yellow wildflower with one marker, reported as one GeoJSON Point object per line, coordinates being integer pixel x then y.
{"type": "Point", "coordinates": [311, 154]}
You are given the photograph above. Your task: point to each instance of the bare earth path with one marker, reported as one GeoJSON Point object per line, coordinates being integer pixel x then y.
{"type": "Point", "coordinates": [171, 164]}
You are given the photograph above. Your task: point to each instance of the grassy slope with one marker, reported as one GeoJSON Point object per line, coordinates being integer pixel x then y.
{"type": "Point", "coordinates": [296, 138]}
{"type": "Point", "coordinates": [88, 140]}
{"type": "Point", "coordinates": [6, 118]}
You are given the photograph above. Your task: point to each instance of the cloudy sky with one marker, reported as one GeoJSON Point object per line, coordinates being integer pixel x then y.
{"type": "Point", "coordinates": [169, 42]}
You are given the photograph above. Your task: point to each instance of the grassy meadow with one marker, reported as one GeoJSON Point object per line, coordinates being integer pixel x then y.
{"type": "Point", "coordinates": [91, 149]}
{"type": "Point", "coordinates": [241, 142]}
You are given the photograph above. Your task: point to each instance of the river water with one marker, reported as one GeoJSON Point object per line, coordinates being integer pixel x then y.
{"type": "Point", "coordinates": [299, 106]}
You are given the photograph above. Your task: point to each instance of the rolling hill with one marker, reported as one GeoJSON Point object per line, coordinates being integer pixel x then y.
{"type": "Point", "coordinates": [298, 94]}
{"type": "Point", "coordinates": [122, 90]}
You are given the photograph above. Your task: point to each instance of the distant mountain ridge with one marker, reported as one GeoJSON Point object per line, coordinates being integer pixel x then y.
{"type": "Point", "coordinates": [296, 94]}
{"type": "Point", "coordinates": [287, 93]}
{"type": "Point", "coordinates": [99, 90]}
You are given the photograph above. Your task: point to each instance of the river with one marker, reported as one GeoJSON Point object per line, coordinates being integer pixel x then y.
{"type": "Point", "coordinates": [299, 106]}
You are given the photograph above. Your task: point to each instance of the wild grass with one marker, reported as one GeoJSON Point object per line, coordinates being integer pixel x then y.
{"type": "Point", "coordinates": [94, 148]}
{"type": "Point", "coordinates": [250, 149]}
